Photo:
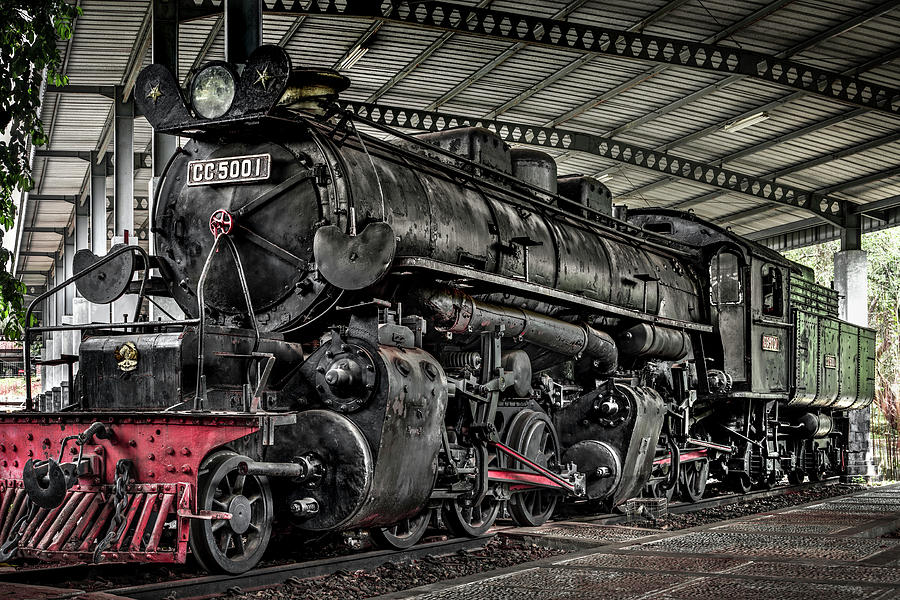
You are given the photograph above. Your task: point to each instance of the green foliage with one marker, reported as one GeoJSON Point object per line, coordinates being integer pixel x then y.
{"type": "Point", "coordinates": [883, 249]}
{"type": "Point", "coordinates": [29, 32]}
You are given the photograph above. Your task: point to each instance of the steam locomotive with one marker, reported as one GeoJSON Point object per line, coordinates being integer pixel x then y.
{"type": "Point", "coordinates": [378, 332]}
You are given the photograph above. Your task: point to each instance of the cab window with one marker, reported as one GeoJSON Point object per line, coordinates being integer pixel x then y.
{"type": "Point", "coordinates": [772, 291]}
{"type": "Point", "coordinates": [725, 279]}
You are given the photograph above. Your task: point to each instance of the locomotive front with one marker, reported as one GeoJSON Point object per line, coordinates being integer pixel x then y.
{"type": "Point", "coordinates": [371, 333]}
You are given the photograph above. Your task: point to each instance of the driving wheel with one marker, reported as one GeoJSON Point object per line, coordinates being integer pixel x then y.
{"type": "Point", "coordinates": [404, 533]}
{"type": "Point", "coordinates": [231, 545]}
{"type": "Point", "coordinates": [533, 436]}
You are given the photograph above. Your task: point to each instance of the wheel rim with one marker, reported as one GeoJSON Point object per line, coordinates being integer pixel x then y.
{"type": "Point", "coordinates": [471, 520]}
{"type": "Point", "coordinates": [533, 436]}
{"type": "Point", "coordinates": [237, 544]}
{"type": "Point", "coordinates": [404, 533]}
{"type": "Point", "coordinates": [696, 474]}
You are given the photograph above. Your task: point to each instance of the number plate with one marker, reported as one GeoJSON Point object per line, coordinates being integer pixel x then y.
{"type": "Point", "coordinates": [235, 169]}
{"type": "Point", "coordinates": [771, 343]}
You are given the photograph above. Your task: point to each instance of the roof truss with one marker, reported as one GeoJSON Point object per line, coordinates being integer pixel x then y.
{"type": "Point", "coordinates": [529, 29]}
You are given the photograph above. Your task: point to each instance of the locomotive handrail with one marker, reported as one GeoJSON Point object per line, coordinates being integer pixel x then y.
{"type": "Point", "coordinates": [663, 244]}
{"type": "Point", "coordinates": [29, 404]}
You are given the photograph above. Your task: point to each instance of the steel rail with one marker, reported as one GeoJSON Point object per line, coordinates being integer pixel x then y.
{"type": "Point", "coordinates": [717, 501]}
{"type": "Point", "coordinates": [268, 576]}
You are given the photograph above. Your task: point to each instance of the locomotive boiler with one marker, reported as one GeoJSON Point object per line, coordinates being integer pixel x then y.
{"type": "Point", "coordinates": [378, 331]}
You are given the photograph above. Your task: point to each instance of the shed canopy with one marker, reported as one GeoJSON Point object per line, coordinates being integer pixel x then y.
{"type": "Point", "coordinates": [777, 118]}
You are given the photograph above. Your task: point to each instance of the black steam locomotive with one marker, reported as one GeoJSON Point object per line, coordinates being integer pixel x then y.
{"type": "Point", "coordinates": [379, 331]}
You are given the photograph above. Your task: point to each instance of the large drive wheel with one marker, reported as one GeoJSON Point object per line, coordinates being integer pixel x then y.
{"type": "Point", "coordinates": [693, 479]}
{"type": "Point", "coordinates": [470, 521]}
{"type": "Point", "coordinates": [533, 436]}
{"type": "Point", "coordinates": [231, 545]}
{"type": "Point", "coordinates": [796, 476]}
{"type": "Point", "coordinates": [402, 534]}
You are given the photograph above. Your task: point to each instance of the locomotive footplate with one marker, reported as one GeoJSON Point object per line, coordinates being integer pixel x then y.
{"type": "Point", "coordinates": [128, 497]}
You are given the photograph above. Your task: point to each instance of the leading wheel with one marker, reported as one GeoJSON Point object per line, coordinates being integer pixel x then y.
{"type": "Point", "coordinates": [796, 476]}
{"type": "Point", "coordinates": [402, 534]}
{"type": "Point", "coordinates": [231, 545]}
{"type": "Point", "coordinates": [533, 436]}
{"type": "Point", "coordinates": [739, 482]}
{"type": "Point", "coordinates": [470, 521]}
{"type": "Point", "coordinates": [657, 489]}
{"type": "Point", "coordinates": [693, 479]}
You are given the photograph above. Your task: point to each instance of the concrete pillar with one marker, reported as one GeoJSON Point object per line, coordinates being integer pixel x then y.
{"type": "Point", "coordinates": [851, 282]}
{"type": "Point", "coordinates": [123, 191]}
{"type": "Point", "coordinates": [98, 205]}
{"type": "Point", "coordinates": [68, 266]}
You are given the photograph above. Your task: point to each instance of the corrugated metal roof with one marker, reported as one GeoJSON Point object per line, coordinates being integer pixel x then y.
{"type": "Point", "coordinates": [596, 95]}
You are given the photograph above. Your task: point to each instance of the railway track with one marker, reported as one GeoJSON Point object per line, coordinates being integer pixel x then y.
{"type": "Point", "coordinates": [716, 501]}
{"type": "Point", "coordinates": [211, 585]}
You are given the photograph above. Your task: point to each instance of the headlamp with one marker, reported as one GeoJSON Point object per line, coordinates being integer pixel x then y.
{"type": "Point", "coordinates": [212, 91]}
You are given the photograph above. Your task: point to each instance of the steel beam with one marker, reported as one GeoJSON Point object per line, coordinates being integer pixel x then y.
{"type": "Point", "coordinates": [499, 59]}
{"type": "Point", "coordinates": [243, 29]}
{"type": "Point", "coordinates": [872, 177]}
{"type": "Point", "coordinates": [831, 209]}
{"type": "Point", "coordinates": [37, 273]}
{"type": "Point", "coordinates": [53, 198]}
{"type": "Point", "coordinates": [421, 57]}
{"type": "Point", "coordinates": [850, 151]}
{"type": "Point", "coordinates": [36, 253]}
{"type": "Point", "coordinates": [123, 190]}
{"type": "Point", "coordinates": [41, 229]}
{"type": "Point", "coordinates": [142, 160]}
{"type": "Point", "coordinates": [207, 44]}
{"type": "Point", "coordinates": [101, 90]}
{"type": "Point", "coordinates": [529, 29]}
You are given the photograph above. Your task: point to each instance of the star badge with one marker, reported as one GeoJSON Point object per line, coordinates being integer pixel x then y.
{"type": "Point", "coordinates": [263, 77]}
{"type": "Point", "coordinates": [154, 93]}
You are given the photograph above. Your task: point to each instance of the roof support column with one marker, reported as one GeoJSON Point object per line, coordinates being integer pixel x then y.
{"type": "Point", "coordinates": [68, 266]}
{"type": "Point", "coordinates": [123, 192]}
{"type": "Point", "coordinates": [98, 205]}
{"type": "Point", "coordinates": [165, 52]}
{"type": "Point", "coordinates": [851, 282]}
{"type": "Point", "coordinates": [243, 29]}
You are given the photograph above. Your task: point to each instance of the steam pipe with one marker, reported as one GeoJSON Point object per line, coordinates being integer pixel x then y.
{"type": "Point", "coordinates": [456, 312]}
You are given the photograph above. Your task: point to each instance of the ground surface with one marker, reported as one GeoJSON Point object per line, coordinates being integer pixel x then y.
{"type": "Point", "coordinates": [499, 554]}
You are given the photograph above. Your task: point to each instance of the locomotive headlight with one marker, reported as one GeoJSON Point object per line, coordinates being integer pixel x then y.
{"type": "Point", "coordinates": [212, 91]}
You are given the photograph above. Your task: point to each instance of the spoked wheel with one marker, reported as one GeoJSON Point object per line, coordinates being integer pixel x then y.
{"type": "Point", "coordinates": [796, 476]}
{"type": "Point", "coordinates": [532, 435]}
{"type": "Point", "coordinates": [739, 482]}
{"type": "Point", "coordinates": [657, 490]}
{"type": "Point", "coordinates": [402, 534]}
{"type": "Point", "coordinates": [693, 479]}
{"type": "Point", "coordinates": [231, 545]}
{"type": "Point", "coordinates": [817, 475]}
{"type": "Point", "coordinates": [470, 521]}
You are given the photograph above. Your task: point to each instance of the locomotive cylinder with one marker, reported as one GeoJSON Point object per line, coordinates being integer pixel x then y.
{"type": "Point", "coordinates": [456, 312]}
{"type": "Point", "coordinates": [813, 426]}
{"type": "Point", "coordinates": [654, 341]}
